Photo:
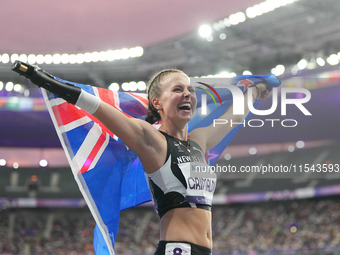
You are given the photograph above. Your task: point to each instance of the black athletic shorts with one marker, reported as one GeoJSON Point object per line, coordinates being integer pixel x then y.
{"type": "Point", "coordinates": [181, 248]}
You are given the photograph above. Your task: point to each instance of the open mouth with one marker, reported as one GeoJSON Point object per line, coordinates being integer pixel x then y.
{"type": "Point", "coordinates": [185, 107]}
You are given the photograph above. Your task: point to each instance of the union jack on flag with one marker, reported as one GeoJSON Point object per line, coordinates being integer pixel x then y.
{"type": "Point", "coordinates": [109, 175]}
{"type": "Point", "coordinates": [100, 162]}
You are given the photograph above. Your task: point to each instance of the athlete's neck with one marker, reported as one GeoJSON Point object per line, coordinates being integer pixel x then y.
{"type": "Point", "coordinates": [181, 134]}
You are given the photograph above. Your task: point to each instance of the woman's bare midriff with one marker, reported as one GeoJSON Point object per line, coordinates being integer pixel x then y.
{"type": "Point", "coordinates": [187, 224]}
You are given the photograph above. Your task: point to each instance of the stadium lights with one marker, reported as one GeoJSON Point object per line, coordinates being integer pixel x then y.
{"type": "Point", "coordinates": [227, 156]}
{"type": "Point", "coordinates": [78, 58]}
{"type": "Point", "coordinates": [126, 86]}
{"type": "Point", "coordinates": [9, 86]}
{"type": "Point", "coordinates": [129, 86]}
{"type": "Point", "coordinates": [39, 59]}
{"type": "Point", "coordinates": [218, 25]}
{"type": "Point", "coordinates": [206, 31]}
{"type": "Point", "coordinates": [266, 7]}
{"type": "Point", "coordinates": [291, 148]}
{"type": "Point", "coordinates": [223, 36]}
{"type": "Point", "coordinates": [252, 151]}
{"type": "Point", "coordinates": [223, 74]}
{"type": "Point", "coordinates": [210, 38]}
{"type": "Point", "coordinates": [114, 86]}
{"type": "Point", "coordinates": [226, 22]}
{"type": "Point", "coordinates": [320, 61]}
{"type": "Point", "coordinates": [300, 144]}
{"type": "Point", "coordinates": [3, 162]}
{"type": "Point", "coordinates": [333, 60]}
{"type": "Point", "coordinates": [132, 86]}
{"type": "Point", "coordinates": [43, 163]}
{"type": "Point", "coordinates": [302, 64]}
{"type": "Point", "coordinates": [31, 58]}
{"type": "Point", "coordinates": [312, 64]}
{"type": "Point", "coordinates": [23, 58]}
{"type": "Point", "coordinates": [17, 87]}
{"type": "Point", "coordinates": [246, 72]}
{"type": "Point", "coordinates": [237, 18]}
{"type": "Point", "coordinates": [141, 85]}
{"type": "Point", "coordinates": [4, 58]}
{"type": "Point", "coordinates": [278, 70]}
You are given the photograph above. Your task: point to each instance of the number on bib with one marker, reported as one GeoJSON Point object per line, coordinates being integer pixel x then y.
{"type": "Point", "coordinates": [177, 251]}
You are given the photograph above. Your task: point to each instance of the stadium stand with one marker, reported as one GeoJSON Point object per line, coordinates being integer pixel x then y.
{"type": "Point", "coordinates": [286, 227]}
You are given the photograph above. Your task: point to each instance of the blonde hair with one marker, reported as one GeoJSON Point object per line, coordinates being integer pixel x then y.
{"type": "Point", "coordinates": [154, 90]}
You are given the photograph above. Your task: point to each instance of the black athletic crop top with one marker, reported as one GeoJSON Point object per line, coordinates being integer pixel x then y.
{"type": "Point", "coordinates": [183, 180]}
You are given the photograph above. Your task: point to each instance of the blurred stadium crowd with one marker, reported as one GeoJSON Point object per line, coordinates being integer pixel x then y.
{"type": "Point", "coordinates": [300, 226]}
{"type": "Point", "coordinates": [286, 227]}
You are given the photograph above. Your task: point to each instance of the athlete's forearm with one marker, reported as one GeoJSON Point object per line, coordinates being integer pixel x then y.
{"type": "Point", "coordinates": [69, 92]}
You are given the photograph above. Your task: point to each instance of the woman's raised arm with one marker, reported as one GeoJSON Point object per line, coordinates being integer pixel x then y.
{"type": "Point", "coordinates": [136, 134]}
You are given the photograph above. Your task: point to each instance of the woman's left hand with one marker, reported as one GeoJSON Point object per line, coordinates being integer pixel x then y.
{"type": "Point", "coordinates": [263, 91]}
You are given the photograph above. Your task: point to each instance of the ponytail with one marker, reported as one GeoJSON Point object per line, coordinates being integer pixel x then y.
{"type": "Point", "coordinates": [153, 115]}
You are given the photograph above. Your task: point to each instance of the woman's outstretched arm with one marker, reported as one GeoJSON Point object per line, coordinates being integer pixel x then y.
{"type": "Point", "coordinates": [136, 134]}
{"type": "Point", "coordinates": [208, 137]}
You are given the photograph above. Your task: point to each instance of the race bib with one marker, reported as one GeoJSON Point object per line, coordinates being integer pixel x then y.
{"type": "Point", "coordinates": [201, 184]}
{"type": "Point", "coordinates": [178, 249]}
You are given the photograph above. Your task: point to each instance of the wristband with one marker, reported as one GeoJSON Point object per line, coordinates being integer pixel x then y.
{"type": "Point", "coordinates": [88, 102]}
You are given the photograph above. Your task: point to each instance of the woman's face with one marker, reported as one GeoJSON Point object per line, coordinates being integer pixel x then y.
{"type": "Point", "coordinates": [178, 99]}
